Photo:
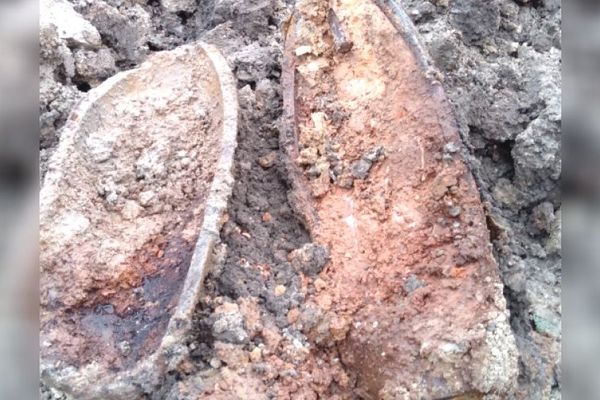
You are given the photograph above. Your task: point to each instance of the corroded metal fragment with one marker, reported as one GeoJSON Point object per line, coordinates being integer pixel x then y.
{"type": "Point", "coordinates": [342, 43]}
{"type": "Point", "coordinates": [130, 210]}
{"type": "Point", "coordinates": [373, 155]}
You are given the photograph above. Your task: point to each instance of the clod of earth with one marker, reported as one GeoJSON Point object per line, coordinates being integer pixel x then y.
{"type": "Point", "coordinates": [410, 262]}
{"type": "Point", "coordinates": [70, 25]}
{"type": "Point", "coordinates": [130, 210]}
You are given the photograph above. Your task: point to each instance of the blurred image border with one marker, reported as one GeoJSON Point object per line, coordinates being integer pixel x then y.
{"type": "Point", "coordinates": [19, 186]}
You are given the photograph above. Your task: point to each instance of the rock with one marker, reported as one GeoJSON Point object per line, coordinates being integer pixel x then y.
{"type": "Point", "coordinates": [296, 345]}
{"type": "Point", "coordinates": [70, 25]}
{"type": "Point", "coordinates": [476, 20]}
{"type": "Point", "coordinates": [445, 52]}
{"type": "Point", "coordinates": [124, 347]}
{"type": "Point", "coordinates": [423, 12]}
{"type": "Point", "coordinates": [250, 16]}
{"type": "Point", "coordinates": [310, 258]}
{"type": "Point", "coordinates": [147, 197]}
{"type": "Point", "coordinates": [360, 169]}
{"type": "Point", "coordinates": [268, 160]}
{"type": "Point", "coordinates": [441, 185]}
{"type": "Point", "coordinates": [131, 210]}
{"type": "Point", "coordinates": [320, 185]}
{"type": "Point", "coordinates": [266, 217]}
{"type": "Point", "coordinates": [253, 63]}
{"type": "Point", "coordinates": [55, 55]}
{"type": "Point", "coordinates": [151, 164]}
{"type": "Point", "coordinates": [56, 101]}
{"type": "Point", "coordinates": [339, 327]}
{"type": "Point", "coordinates": [127, 31]}
{"type": "Point", "coordinates": [374, 154]}
{"type": "Point", "coordinates": [503, 120]}
{"type": "Point", "coordinates": [179, 5]}
{"type": "Point", "coordinates": [215, 363]}
{"type": "Point", "coordinates": [94, 66]}
{"type": "Point", "coordinates": [56, 95]}
{"type": "Point", "coordinates": [542, 217]}
{"type": "Point", "coordinates": [552, 5]}
{"type": "Point", "coordinates": [308, 156]}
{"type": "Point", "coordinates": [229, 326]}
{"type": "Point", "coordinates": [280, 290]}
{"type": "Point", "coordinates": [547, 323]}
{"type": "Point", "coordinates": [316, 326]}
{"type": "Point", "coordinates": [256, 355]}
{"type": "Point", "coordinates": [505, 192]}
{"type": "Point", "coordinates": [413, 283]}
{"type": "Point", "coordinates": [454, 211]}
{"type": "Point", "coordinates": [537, 154]}
{"type": "Point", "coordinates": [516, 281]}
{"type": "Point", "coordinates": [309, 317]}
{"type": "Point", "coordinates": [320, 284]}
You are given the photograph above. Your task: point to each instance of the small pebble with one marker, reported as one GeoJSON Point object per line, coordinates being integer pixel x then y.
{"type": "Point", "coordinates": [266, 217]}
{"type": "Point", "coordinates": [215, 362]}
{"type": "Point", "coordinates": [268, 160]}
{"type": "Point", "coordinates": [146, 198]}
{"type": "Point", "coordinates": [451, 148]}
{"type": "Point", "coordinates": [375, 154]}
{"type": "Point", "coordinates": [256, 355]}
{"type": "Point", "coordinates": [360, 169]}
{"type": "Point", "coordinates": [320, 284]}
{"type": "Point", "coordinates": [413, 283]}
{"type": "Point", "coordinates": [279, 290]}
{"type": "Point", "coordinates": [454, 211]}
{"type": "Point", "coordinates": [124, 347]}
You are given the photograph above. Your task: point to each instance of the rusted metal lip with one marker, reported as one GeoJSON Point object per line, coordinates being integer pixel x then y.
{"type": "Point", "coordinates": [94, 381]}
{"type": "Point", "coordinates": [403, 24]}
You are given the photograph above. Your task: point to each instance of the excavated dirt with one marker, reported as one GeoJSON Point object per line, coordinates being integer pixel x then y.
{"type": "Point", "coordinates": [500, 65]}
{"type": "Point", "coordinates": [121, 209]}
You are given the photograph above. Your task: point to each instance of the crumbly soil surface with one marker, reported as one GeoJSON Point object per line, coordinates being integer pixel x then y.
{"type": "Point", "coordinates": [500, 65]}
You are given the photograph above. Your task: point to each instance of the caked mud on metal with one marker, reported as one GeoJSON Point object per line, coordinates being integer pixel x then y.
{"type": "Point", "coordinates": [373, 153]}
{"type": "Point", "coordinates": [130, 211]}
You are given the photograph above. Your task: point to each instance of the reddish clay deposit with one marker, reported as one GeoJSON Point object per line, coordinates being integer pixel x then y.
{"type": "Point", "coordinates": [378, 177]}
